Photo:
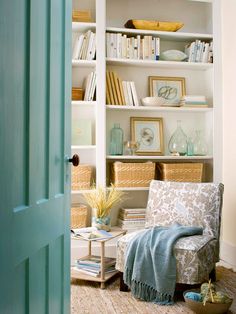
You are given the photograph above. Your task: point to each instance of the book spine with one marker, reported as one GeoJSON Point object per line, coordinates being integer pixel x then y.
{"type": "Point", "coordinates": [124, 84]}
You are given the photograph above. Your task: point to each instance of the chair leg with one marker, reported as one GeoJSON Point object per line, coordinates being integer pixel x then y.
{"type": "Point", "coordinates": [123, 286]}
{"type": "Point", "coordinates": [212, 275]}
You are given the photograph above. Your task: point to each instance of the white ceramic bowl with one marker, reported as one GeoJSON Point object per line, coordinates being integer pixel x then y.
{"type": "Point", "coordinates": [153, 101]}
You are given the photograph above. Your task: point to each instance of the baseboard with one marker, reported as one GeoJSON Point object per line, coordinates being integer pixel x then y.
{"type": "Point", "coordinates": [228, 255]}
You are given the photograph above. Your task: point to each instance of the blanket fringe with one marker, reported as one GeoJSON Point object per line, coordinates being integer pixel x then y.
{"type": "Point", "coordinates": [145, 292]}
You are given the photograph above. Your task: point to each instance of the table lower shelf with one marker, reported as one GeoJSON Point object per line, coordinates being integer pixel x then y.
{"type": "Point", "coordinates": [77, 275]}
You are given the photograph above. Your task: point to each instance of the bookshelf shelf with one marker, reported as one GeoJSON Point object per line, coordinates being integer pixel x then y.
{"type": "Point", "coordinates": [159, 109]}
{"type": "Point", "coordinates": [83, 27]}
{"type": "Point", "coordinates": [83, 103]}
{"type": "Point", "coordinates": [83, 63]}
{"type": "Point", "coordinates": [176, 158]}
{"type": "Point", "coordinates": [82, 147]}
{"type": "Point", "coordinates": [180, 36]}
{"type": "Point", "coordinates": [79, 192]}
{"type": "Point", "coordinates": [160, 64]}
{"type": "Point", "coordinates": [136, 189]}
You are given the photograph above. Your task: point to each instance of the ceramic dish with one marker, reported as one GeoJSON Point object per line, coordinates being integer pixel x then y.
{"type": "Point", "coordinates": [153, 101]}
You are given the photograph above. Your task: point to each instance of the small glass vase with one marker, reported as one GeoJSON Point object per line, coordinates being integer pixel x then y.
{"type": "Point", "coordinates": [199, 144]}
{"type": "Point", "coordinates": [116, 140]}
{"type": "Point", "coordinates": [178, 142]}
{"type": "Point", "coordinates": [101, 223]}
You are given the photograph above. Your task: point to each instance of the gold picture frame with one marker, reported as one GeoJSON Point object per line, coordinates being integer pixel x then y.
{"type": "Point", "coordinates": [170, 88]}
{"type": "Point", "coordinates": [148, 132]}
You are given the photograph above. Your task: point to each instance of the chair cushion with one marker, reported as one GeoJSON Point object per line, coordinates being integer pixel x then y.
{"type": "Point", "coordinates": [195, 256]}
{"type": "Point", "coordinates": [190, 204]}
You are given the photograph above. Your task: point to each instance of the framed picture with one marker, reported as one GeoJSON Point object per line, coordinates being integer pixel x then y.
{"type": "Point", "coordinates": [148, 132]}
{"type": "Point", "coordinates": [170, 88]}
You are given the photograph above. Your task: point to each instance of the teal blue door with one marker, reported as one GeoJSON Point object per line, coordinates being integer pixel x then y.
{"type": "Point", "coordinates": [35, 85]}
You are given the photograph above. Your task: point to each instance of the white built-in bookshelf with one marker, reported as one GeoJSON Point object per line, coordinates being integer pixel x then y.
{"type": "Point", "coordinates": [200, 22]}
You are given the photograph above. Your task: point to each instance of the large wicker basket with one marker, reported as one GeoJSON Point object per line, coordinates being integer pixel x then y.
{"type": "Point", "coordinates": [132, 174]}
{"type": "Point", "coordinates": [81, 177]}
{"type": "Point", "coordinates": [79, 214]}
{"type": "Point", "coordinates": [181, 172]}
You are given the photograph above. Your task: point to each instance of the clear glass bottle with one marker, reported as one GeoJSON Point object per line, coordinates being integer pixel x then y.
{"type": "Point", "coordinates": [190, 147]}
{"type": "Point", "coordinates": [178, 141]}
{"type": "Point", "coordinates": [199, 144]}
{"type": "Point", "coordinates": [116, 140]}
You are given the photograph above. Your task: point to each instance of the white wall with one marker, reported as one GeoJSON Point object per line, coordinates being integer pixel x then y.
{"type": "Point", "coordinates": [228, 247]}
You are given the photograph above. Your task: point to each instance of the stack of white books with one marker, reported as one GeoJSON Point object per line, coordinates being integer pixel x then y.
{"type": "Point", "coordinates": [196, 101]}
{"type": "Point", "coordinates": [84, 46]}
{"type": "Point", "coordinates": [132, 219]}
{"type": "Point", "coordinates": [90, 87]}
{"type": "Point", "coordinates": [199, 51]}
{"type": "Point", "coordinates": [138, 48]}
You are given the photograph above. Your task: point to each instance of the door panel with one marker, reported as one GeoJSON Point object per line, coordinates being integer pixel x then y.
{"type": "Point", "coordinates": [35, 72]}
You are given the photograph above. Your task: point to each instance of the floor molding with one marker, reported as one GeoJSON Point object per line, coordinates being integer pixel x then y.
{"type": "Point", "coordinates": [228, 255]}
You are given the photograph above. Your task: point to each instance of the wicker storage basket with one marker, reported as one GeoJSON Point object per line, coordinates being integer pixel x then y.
{"type": "Point", "coordinates": [132, 174]}
{"type": "Point", "coordinates": [81, 177]}
{"type": "Point", "coordinates": [79, 214]}
{"type": "Point", "coordinates": [181, 172]}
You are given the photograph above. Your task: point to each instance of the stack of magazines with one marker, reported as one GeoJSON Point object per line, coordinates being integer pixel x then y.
{"type": "Point", "coordinates": [90, 233]}
{"type": "Point", "coordinates": [92, 265]}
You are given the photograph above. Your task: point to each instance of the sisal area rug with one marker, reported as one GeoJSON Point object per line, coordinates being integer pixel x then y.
{"type": "Point", "coordinates": [88, 298]}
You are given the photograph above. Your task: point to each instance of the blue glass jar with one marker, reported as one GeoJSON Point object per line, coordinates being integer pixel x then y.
{"type": "Point", "coordinates": [116, 140]}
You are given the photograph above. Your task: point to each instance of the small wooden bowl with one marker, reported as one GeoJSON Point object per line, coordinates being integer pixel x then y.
{"type": "Point", "coordinates": [209, 308]}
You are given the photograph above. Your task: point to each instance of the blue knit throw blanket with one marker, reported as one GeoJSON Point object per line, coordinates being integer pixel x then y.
{"type": "Point", "coordinates": [150, 265]}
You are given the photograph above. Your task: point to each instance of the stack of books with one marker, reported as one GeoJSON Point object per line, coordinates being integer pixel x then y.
{"type": "Point", "coordinates": [193, 101]}
{"type": "Point", "coordinates": [92, 265]}
{"type": "Point", "coordinates": [123, 47]}
{"type": "Point", "coordinates": [199, 51]}
{"type": "Point", "coordinates": [81, 16]}
{"type": "Point", "coordinates": [132, 219]}
{"type": "Point", "coordinates": [90, 87]}
{"type": "Point", "coordinates": [120, 92]}
{"type": "Point", "coordinates": [77, 93]}
{"type": "Point", "coordinates": [84, 46]}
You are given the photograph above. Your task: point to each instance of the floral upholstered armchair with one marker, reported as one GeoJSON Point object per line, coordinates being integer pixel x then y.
{"type": "Point", "coordinates": [190, 204]}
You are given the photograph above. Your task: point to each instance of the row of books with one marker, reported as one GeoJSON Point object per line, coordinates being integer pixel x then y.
{"type": "Point", "coordinates": [92, 265]}
{"type": "Point", "coordinates": [139, 48]}
{"type": "Point", "coordinates": [132, 219]}
{"type": "Point", "coordinates": [196, 101]}
{"type": "Point", "coordinates": [90, 86]}
{"type": "Point", "coordinates": [199, 51]}
{"type": "Point", "coordinates": [84, 46]}
{"type": "Point", "coordinates": [120, 92]}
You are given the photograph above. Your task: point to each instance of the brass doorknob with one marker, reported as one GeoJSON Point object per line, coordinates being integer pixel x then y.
{"type": "Point", "coordinates": [74, 160]}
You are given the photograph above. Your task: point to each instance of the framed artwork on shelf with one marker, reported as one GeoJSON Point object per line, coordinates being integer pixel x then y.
{"type": "Point", "coordinates": [148, 132]}
{"type": "Point", "coordinates": [169, 88]}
